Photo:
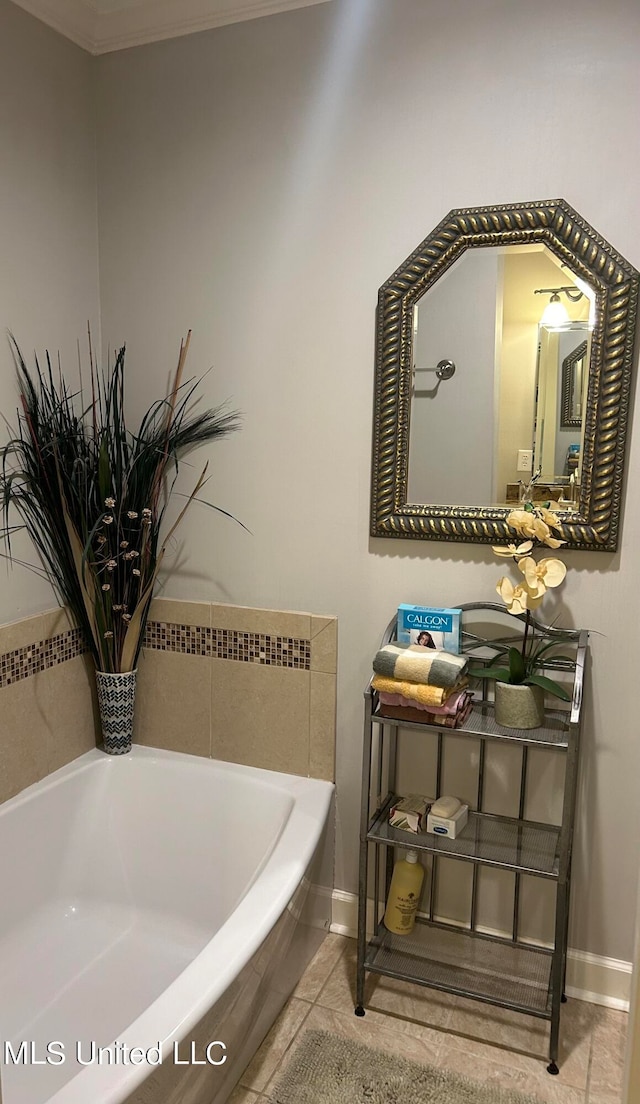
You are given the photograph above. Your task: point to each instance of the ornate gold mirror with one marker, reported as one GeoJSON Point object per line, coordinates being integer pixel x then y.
{"type": "Point", "coordinates": [505, 347]}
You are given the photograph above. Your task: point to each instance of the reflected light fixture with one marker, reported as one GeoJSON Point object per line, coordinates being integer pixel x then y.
{"type": "Point", "coordinates": [584, 287]}
{"type": "Point", "coordinates": [555, 315]}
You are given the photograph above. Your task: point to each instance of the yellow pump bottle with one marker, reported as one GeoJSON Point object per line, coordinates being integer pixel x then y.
{"type": "Point", "coordinates": [404, 895]}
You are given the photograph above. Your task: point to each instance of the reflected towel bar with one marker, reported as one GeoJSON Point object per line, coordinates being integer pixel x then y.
{"type": "Point", "coordinates": [444, 369]}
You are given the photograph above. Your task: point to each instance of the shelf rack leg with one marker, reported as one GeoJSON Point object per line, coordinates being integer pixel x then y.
{"type": "Point", "coordinates": [566, 937]}
{"type": "Point", "coordinates": [363, 873]}
{"type": "Point", "coordinates": [362, 930]}
{"type": "Point", "coordinates": [557, 974]}
{"type": "Point", "coordinates": [554, 1038]}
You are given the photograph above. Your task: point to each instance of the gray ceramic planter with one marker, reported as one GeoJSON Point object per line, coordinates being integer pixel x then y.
{"type": "Point", "coordinates": [519, 706]}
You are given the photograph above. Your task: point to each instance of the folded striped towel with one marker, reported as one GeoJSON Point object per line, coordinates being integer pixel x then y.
{"type": "Point", "coordinates": [453, 705]}
{"type": "Point", "coordinates": [413, 663]}
{"type": "Point", "coordinates": [424, 716]}
{"type": "Point", "coordinates": [417, 691]}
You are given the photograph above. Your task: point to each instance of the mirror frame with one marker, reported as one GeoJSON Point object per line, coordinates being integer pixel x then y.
{"type": "Point", "coordinates": [568, 386]}
{"type": "Point", "coordinates": [595, 525]}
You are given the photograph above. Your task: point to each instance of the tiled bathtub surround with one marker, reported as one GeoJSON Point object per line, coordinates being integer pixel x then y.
{"type": "Point", "coordinates": [29, 660]}
{"type": "Point", "coordinates": [246, 685]}
{"type": "Point", "coordinates": [274, 651]}
{"type": "Point", "coordinates": [246, 647]}
{"type": "Point", "coordinates": [46, 701]}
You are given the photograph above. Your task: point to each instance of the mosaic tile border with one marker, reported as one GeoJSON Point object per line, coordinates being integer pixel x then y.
{"type": "Point", "coordinates": [164, 636]}
{"type": "Point", "coordinates": [244, 647]}
{"type": "Point", "coordinates": [24, 662]}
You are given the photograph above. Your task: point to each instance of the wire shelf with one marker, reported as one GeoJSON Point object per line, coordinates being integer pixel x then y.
{"type": "Point", "coordinates": [467, 964]}
{"type": "Point", "coordinates": [490, 840]}
{"type": "Point", "coordinates": [482, 724]}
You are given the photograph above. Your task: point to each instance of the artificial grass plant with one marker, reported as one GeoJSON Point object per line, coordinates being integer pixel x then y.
{"type": "Point", "coordinates": [92, 494]}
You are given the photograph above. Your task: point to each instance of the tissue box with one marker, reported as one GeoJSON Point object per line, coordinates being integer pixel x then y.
{"type": "Point", "coordinates": [448, 826]}
{"type": "Point", "coordinates": [410, 813]}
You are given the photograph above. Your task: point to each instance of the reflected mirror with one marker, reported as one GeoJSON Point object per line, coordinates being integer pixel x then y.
{"type": "Point", "coordinates": [574, 369]}
{"type": "Point", "coordinates": [496, 340]}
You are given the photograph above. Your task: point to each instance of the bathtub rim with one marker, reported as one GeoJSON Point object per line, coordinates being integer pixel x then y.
{"type": "Point", "coordinates": [235, 942]}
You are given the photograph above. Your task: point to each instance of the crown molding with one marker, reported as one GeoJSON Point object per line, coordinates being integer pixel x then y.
{"type": "Point", "coordinates": [143, 21]}
{"type": "Point", "coordinates": [71, 18]}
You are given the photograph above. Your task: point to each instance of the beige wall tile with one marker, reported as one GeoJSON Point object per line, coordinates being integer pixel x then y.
{"type": "Point", "coordinates": [46, 721]}
{"type": "Point", "coordinates": [180, 613]}
{"type": "Point", "coordinates": [24, 725]}
{"type": "Point", "coordinates": [319, 621]}
{"type": "Point", "coordinates": [273, 622]}
{"type": "Point", "coordinates": [173, 701]}
{"type": "Point", "coordinates": [324, 644]}
{"type": "Point", "coordinates": [71, 708]}
{"type": "Point", "coordinates": [30, 630]}
{"type": "Point", "coordinates": [260, 715]}
{"type": "Point", "coordinates": [322, 726]}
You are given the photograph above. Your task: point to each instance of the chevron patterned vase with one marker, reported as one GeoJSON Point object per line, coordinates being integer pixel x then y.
{"type": "Point", "coordinates": [116, 700]}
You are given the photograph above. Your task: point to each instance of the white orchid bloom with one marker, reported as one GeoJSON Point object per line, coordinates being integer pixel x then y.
{"type": "Point", "coordinates": [518, 599]}
{"type": "Point", "coordinates": [542, 574]}
{"type": "Point", "coordinates": [513, 550]}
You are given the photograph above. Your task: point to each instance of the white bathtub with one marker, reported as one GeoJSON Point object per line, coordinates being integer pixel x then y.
{"type": "Point", "coordinates": [149, 899]}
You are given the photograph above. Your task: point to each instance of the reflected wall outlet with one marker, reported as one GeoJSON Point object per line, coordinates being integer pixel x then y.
{"type": "Point", "coordinates": [525, 460]}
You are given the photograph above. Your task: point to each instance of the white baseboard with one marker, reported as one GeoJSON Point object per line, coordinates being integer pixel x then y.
{"type": "Point", "coordinates": [590, 977]}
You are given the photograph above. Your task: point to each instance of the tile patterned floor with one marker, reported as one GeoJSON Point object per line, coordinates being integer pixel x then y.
{"type": "Point", "coordinates": [490, 1045]}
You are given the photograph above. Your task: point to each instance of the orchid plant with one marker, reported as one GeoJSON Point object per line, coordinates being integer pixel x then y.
{"type": "Point", "coordinates": [534, 525]}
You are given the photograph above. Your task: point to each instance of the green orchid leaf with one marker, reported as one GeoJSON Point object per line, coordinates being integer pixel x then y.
{"type": "Point", "coordinates": [549, 685]}
{"type": "Point", "coordinates": [516, 666]}
{"type": "Point", "coordinates": [501, 674]}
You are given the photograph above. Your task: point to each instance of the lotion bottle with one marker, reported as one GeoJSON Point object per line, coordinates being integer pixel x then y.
{"type": "Point", "coordinates": [404, 895]}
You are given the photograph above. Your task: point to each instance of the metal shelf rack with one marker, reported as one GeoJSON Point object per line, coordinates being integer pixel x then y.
{"type": "Point", "coordinates": [503, 969]}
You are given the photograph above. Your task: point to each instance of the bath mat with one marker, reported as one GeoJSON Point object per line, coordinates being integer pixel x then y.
{"type": "Point", "coordinates": [328, 1069]}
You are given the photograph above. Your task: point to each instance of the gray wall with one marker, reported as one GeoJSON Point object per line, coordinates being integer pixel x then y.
{"type": "Point", "coordinates": [259, 183]}
{"type": "Point", "coordinates": [48, 219]}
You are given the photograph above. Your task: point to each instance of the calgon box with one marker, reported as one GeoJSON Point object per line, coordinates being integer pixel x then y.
{"type": "Point", "coordinates": [430, 626]}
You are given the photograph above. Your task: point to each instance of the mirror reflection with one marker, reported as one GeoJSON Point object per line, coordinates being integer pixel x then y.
{"type": "Point", "coordinates": [574, 367]}
{"type": "Point", "coordinates": [516, 323]}
{"type": "Point", "coordinates": [560, 399]}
